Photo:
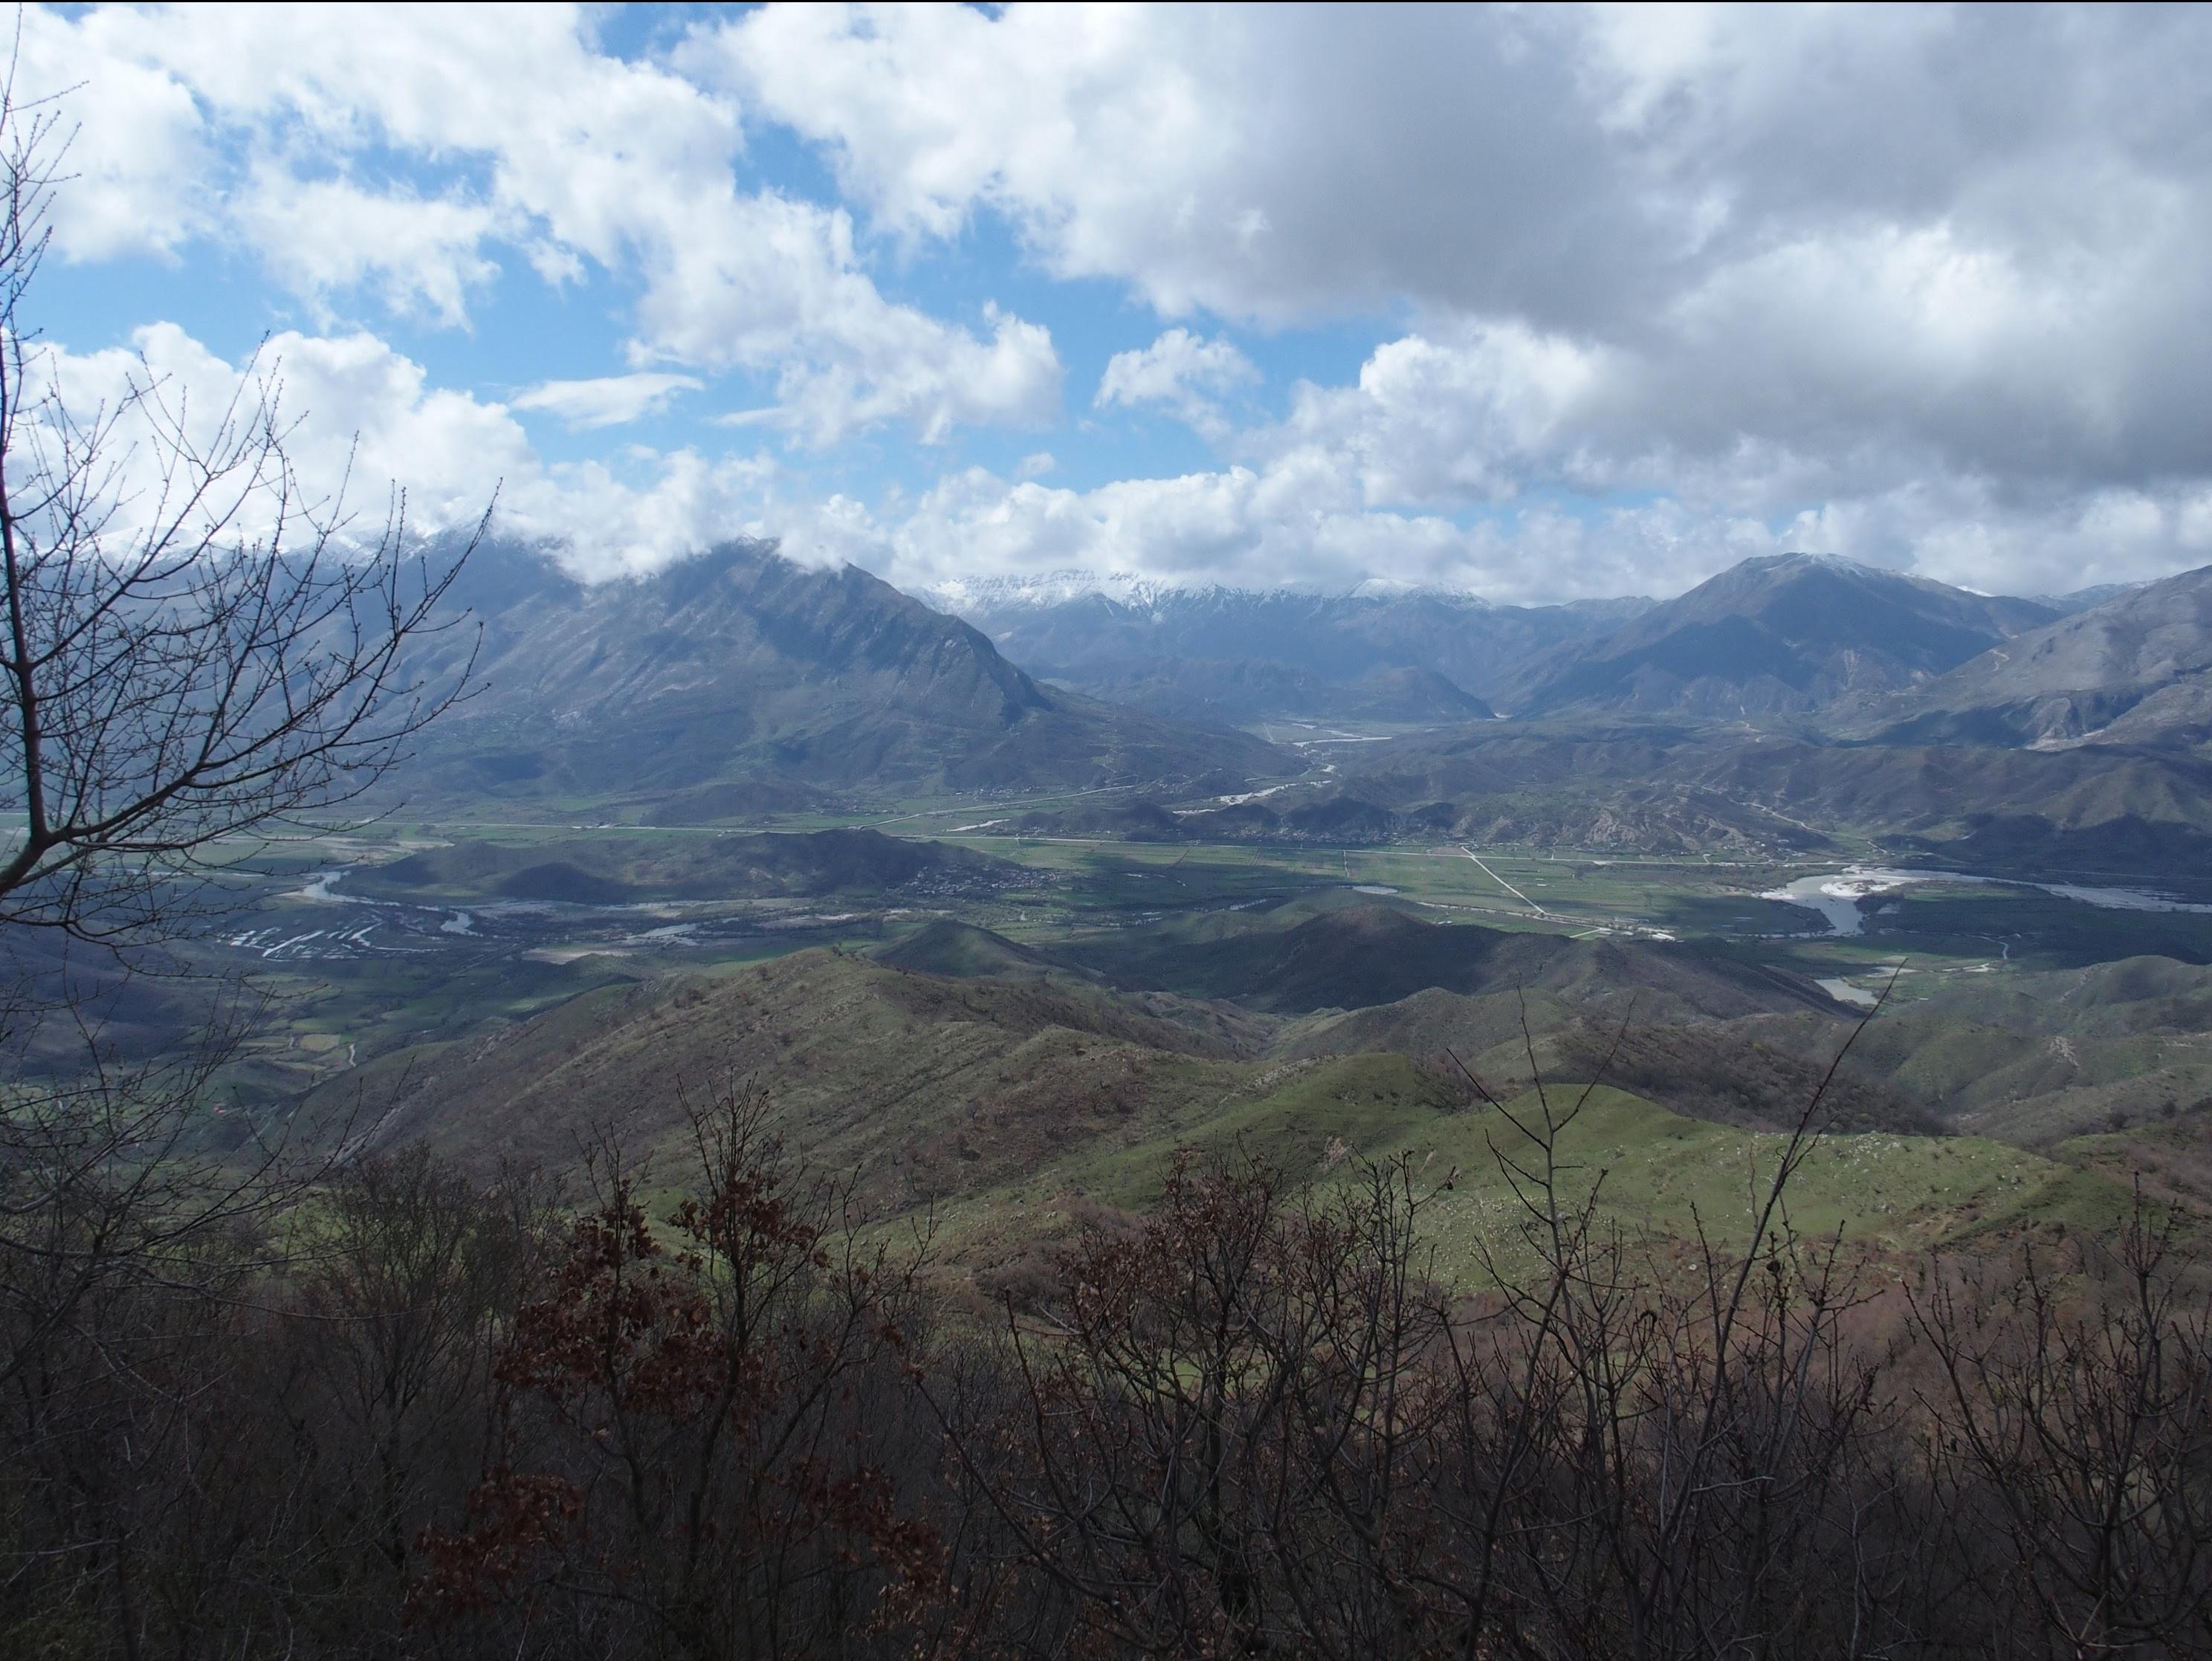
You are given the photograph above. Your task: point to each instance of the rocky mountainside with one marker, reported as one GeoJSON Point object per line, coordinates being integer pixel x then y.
{"type": "Point", "coordinates": [2083, 812]}
{"type": "Point", "coordinates": [2082, 599]}
{"type": "Point", "coordinates": [738, 680]}
{"type": "Point", "coordinates": [2136, 670]}
{"type": "Point", "coordinates": [1788, 635]}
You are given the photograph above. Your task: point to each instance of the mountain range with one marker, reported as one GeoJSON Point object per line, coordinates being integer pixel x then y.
{"type": "Point", "coordinates": [1787, 635]}
{"type": "Point", "coordinates": [1795, 638]}
{"type": "Point", "coordinates": [1239, 654]}
{"type": "Point", "coordinates": [737, 682]}
{"type": "Point", "coordinates": [2136, 670]}
{"type": "Point", "coordinates": [738, 685]}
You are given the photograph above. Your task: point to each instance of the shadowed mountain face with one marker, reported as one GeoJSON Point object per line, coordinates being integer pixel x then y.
{"type": "Point", "coordinates": [2136, 670]}
{"type": "Point", "coordinates": [1779, 636]}
{"type": "Point", "coordinates": [739, 667]}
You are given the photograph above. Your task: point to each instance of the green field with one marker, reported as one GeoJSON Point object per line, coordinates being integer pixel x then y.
{"type": "Point", "coordinates": [1656, 1176]}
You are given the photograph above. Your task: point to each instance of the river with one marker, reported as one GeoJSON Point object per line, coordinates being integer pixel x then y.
{"type": "Point", "coordinates": [1837, 894]}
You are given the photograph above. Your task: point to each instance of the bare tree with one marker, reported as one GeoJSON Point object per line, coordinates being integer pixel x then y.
{"type": "Point", "coordinates": [194, 650]}
{"type": "Point", "coordinates": [2072, 1441]}
{"type": "Point", "coordinates": [197, 649]}
{"type": "Point", "coordinates": [196, 646]}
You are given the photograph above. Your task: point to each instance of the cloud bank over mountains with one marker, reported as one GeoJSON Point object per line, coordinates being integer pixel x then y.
{"type": "Point", "coordinates": [1539, 303]}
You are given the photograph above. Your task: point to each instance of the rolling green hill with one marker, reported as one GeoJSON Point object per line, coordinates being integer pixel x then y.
{"type": "Point", "coordinates": [2037, 1057]}
{"type": "Point", "coordinates": [1287, 959]}
{"type": "Point", "coordinates": [1002, 1107]}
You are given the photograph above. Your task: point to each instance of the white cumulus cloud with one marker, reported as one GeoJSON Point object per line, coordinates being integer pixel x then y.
{"type": "Point", "coordinates": [359, 417]}
{"type": "Point", "coordinates": [1766, 261]}
{"type": "Point", "coordinates": [1642, 289]}
{"type": "Point", "coordinates": [1181, 372]}
{"type": "Point", "coordinates": [247, 120]}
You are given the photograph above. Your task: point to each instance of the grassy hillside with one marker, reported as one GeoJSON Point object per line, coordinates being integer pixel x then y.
{"type": "Point", "coordinates": [2039, 1057]}
{"type": "Point", "coordinates": [1657, 1174]}
{"type": "Point", "coordinates": [1003, 1106]}
{"type": "Point", "coordinates": [911, 1078]}
{"type": "Point", "coordinates": [1288, 960]}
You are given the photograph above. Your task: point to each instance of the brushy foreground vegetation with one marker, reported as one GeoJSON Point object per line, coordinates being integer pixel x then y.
{"type": "Point", "coordinates": [345, 1399]}
{"type": "Point", "coordinates": [412, 1412]}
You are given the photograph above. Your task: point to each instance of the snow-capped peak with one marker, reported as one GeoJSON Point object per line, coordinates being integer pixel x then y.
{"type": "Point", "coordinates": [969, 595]}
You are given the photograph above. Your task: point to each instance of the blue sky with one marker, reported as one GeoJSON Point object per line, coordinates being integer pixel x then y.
{"type": "Point", "coordinates": [1538, 304]}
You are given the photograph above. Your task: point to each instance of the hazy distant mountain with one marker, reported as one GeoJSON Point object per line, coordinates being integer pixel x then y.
{"type": "Point", "coordinates": [738, 679]}
{"type": "Point", "coordinates": [2082, 599]}
{"type": "Point", "coordinates": [1103, 632]}
{"type": "Point", "coordinates": [1785, 635]}
{"type": "Point", "coordinates": [1414, 694]}
{"type": "Point", "coordinates": [1251, 688]}
{"type": "Point", "coordinates": [2136, 670]}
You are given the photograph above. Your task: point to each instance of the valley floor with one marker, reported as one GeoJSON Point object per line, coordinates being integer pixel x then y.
{"type": "Point", "coordinates": [1004, 1029]}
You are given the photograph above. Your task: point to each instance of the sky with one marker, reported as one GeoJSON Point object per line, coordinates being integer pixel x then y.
{"type": "Point", "coordinates": [1539, 303]}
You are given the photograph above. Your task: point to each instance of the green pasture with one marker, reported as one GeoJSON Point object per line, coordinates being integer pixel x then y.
{"type": "Point", "coordinates": [1657, 1176]}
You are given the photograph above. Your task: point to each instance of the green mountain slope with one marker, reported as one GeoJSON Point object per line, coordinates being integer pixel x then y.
{"type": "Point", "coordinates": [1286, 961]}
{"type": "Point", "coordinates": [1001, 1108]}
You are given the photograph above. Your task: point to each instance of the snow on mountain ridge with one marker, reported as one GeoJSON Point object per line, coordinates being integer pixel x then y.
{"type": "Point", "coordinates": [965, 596]}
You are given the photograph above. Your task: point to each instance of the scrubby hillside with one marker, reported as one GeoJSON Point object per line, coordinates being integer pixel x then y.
{"type": "Point", "coordinates": [1289, 960]}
